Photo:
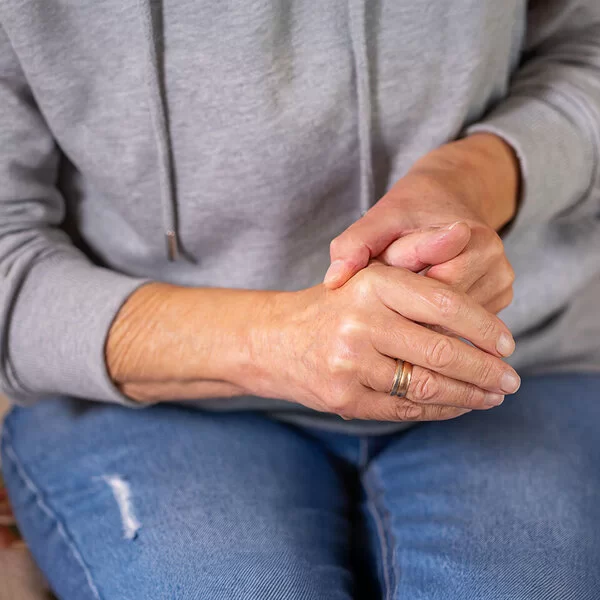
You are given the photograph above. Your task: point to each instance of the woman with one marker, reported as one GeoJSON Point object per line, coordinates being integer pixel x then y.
{"type": "Point", "coordinates": [278, 459]}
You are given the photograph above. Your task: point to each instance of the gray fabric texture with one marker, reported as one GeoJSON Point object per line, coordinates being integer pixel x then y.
{"type": "Point", "coordinates": [226, 144]}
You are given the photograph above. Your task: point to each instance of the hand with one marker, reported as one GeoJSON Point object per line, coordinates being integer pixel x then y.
{"type": "Point", "coordinates": [481, 269]}
{"type": "Point", "coordinates": [474, 181]}
{"type": "Point", "coordinates": [326, 349]}
{"type": "Point", "coordinates": [330, 349]}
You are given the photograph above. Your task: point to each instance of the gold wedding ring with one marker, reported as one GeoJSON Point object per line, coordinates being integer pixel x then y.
{"type": "Point", "coordinates": [402, 378]}
{"type": "Point", "coordinates": [397, 375]}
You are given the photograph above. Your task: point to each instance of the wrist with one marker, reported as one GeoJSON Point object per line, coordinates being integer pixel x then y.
{"type": "Point", "coordinates": [496, 164]}
{"type": "Point", "coordinates": [269, 338]}
{"type": "Point", "coordinates": [482, 170]}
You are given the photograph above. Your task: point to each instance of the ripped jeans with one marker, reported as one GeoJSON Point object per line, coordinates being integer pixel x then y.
{"type": "Point", "coordinates": [173, 503]}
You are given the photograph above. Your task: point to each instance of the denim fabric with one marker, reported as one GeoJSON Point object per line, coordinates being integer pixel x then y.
{"type": "Point", "coordinates": [174, 503]}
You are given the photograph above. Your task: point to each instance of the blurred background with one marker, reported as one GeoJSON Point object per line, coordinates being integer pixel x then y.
{"type": "Point", "coordinates": [19, 577]}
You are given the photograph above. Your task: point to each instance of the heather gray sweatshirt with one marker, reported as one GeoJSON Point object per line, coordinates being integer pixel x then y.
{"type": "Point", "coordinates": [241, 137]}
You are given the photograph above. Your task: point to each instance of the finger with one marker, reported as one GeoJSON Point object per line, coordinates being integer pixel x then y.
{"type": "Point", "coordinates": [365, 239]}
{"type": "Point", "coordinates": [461, 272]}
{"type": "Point", "coordinates": [383, 407]}
{"type": "Point", "coordinates": [495, 282]}
{"type": "Point", "coordinates": [399, 337]}
{"type": "Point", "coordinates": [424, 300]}
{"type": "Point", "coordinates": [429, 387]}
{"type": "Point", "coordinates": [485, 249]}
{"type": "Point", "coordinates": [433, 246]}
{"type": "Point", "coordinates": [500, 302]}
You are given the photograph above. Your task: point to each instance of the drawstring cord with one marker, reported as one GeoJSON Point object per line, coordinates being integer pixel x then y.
{"type": "Point", "coordinates": [358, 29]}
{"type": "Point", "coordinates": [358, 34]}
{"type": "Point", "coordinates": [157, 114]}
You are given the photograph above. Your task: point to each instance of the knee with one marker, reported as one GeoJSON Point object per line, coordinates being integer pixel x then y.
{"type": "Point", "coordinates": [549, 526]}
{"type": "Point", "coordinates": [252, 574]}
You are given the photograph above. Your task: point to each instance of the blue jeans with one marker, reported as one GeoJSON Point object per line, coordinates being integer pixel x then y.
{"type": "Point", "coordinates": [168, 502]}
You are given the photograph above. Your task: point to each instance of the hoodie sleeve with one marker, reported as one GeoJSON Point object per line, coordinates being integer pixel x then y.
{"type": "Point", "coordinates": [552, 114]}
{"type": "Point", "coordinates": [55, 306]}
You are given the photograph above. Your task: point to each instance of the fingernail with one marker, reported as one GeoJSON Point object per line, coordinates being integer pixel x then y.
{"type": "Point", "coordinates": [493, 399]}
{"type": "Point", "coordinates": [444, 231]}
{"type": "Point", "coordinates": [336, 269]}
{"type": "Point", "coordinates": [505, 345]}
{"type": "Point", "coordinates": [451, 227]}
{"type": "Point", "coordinates": [510, 383]}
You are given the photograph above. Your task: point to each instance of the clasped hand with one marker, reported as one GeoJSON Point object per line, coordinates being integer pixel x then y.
{"type": "Point", "coordinates": [420, 275]}
{"type": "Point", "coordinates": [342, 338]}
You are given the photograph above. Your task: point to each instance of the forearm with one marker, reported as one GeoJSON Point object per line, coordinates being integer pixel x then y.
{"type": "Point", "coordinates": [170, 342]}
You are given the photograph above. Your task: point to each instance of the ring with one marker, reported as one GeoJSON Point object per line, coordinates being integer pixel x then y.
{"type": "Point", "coordinates": [397, 375]}
{"type": "Point", "coordinates": [402, 378]}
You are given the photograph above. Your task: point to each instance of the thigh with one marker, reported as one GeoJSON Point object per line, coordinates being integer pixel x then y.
{"type": "Point", "coordinates": [500, 504]}
{"type": "Point", "coordinates": [173, 503]}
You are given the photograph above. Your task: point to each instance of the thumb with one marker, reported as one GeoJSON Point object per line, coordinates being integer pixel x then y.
{"type": "Point", "coordinates": [352, 250]}
{"type": "Point", "coordinates": [421, 249]}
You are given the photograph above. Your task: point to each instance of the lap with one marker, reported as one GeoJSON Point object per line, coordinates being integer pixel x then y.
{"type": "Point", "coordinates": [170, 503]}
{"type": "Point", "coordinates": [497, 504]}
{"type": "Point", "coordinates": [167, 502]}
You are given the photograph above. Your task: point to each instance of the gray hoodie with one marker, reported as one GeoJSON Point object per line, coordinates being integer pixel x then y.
{"type": "Point", "coordinates": [226, 144]}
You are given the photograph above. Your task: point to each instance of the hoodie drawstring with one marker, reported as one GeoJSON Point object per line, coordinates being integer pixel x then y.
{"type": "Point", "coordinates": [358, 34]}
{"type": "Point", "coordinates": [156, 101]}
{"type": "Point", "coordinates": [161, 134]}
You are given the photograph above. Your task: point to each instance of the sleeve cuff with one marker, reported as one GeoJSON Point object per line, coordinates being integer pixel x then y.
{"type": "Point", "coordinates": [557, 160]}
{"type": "Point", "coordinates": [58, 330]}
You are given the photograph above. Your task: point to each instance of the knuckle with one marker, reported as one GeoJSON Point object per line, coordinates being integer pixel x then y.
{"type": "Point", "coordinates": [426, 387]}
{"type": "Point", "coordinates": [406, 411]}
{"type": "Point", "coordinates": [510, 275]}
{"type": "Point", "coordinates": [505, 300]}
{"type": "Point", "coordinates": [336, 245]}
{"type": "Point", "coordinates": [473, 397]}
{"type": "Point", "coordinates": [487, 371]}
{"type": "Point", "coordinates": [364, 285]}
{"type": "Point", "coordinates": [439, 413]}
{"type": "Point", "coordinates": [350, 329]}
{"type": "Point", "coordinates": [348, 335]}
{"type": "Point", "coordinates": [337, 402]}
{"type": "Point", "coordinates": [489, 329]}
{"type": "Point", "coordinates": [435, 412]}
{"type": "Point", "coordinates": [496, 244]}
{"type": "Point", "coordinates": [455, 273]}
{"type": "Point", "coordinates": [339, 364]}
{"type": "Point", "coordinates": [440, 354]}
{"type": "Point", "coordinates": [448, 303]}
{"type": "Point", "coordinates": [350, 245]}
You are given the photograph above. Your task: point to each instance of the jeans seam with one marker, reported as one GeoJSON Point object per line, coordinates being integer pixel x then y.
{"type": "Point", "coordinates": [49, 512]}
{"type": "Point", "coordinates": [381, 517]}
